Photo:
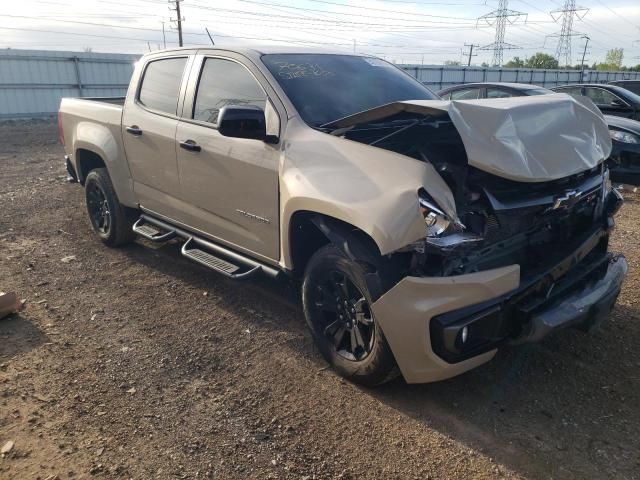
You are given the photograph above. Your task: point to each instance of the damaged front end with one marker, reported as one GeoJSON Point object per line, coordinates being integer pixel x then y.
{"type": "Point", "coordinates": [553, 226]}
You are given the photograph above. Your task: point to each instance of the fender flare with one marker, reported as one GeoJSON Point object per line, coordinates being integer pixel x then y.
{"type": "Point", "coordinates": [382, 272]}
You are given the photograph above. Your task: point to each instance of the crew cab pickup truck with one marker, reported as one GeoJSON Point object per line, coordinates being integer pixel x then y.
{"type": "Point", "coordinates": [424, 234]}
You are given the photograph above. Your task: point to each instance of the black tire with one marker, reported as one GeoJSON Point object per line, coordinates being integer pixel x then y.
{"type": "Point", "coordinates": [371, 362]}
{"type": "Point", "coordinates": [111, 220]}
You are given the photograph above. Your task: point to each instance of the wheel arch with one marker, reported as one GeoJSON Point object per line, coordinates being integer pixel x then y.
{"type": "Point", "coordinates": [87, 160]}
{"type": "Point", "coordinates": [309, 231]}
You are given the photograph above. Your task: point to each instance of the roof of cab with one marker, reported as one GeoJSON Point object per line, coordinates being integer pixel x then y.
{"type": "Point", "coordinates": [252, 50]}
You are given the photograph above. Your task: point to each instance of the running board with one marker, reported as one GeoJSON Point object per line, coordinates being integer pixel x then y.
{"type": "Point", "coordinates": [208, 254]}
{"type": "Point", "coordinates": [152, 232]}
{"type": "Point", "coordinates": [192, 250]}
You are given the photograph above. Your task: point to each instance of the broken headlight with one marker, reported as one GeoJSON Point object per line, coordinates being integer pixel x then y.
{"type": "Point", "coordinates": [435, 219]}
{"type": "Point", "coordinates": [441, 230]}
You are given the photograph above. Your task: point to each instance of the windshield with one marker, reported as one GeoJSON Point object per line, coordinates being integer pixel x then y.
{"type": "Point", "coordinates": [324, 88]}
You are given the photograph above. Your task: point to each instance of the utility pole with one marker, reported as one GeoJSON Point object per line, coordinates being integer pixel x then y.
{"type": "Point", "coordinates": [566, 14]}
{"type": "Point", "coordinates": [500, 18]}
{"type": "Point", "coordinates": [164, 37]}
{"type": "Point", "coordinates": [354, 45]}
{"type": "Point", "coordinates": [584, 52]}
{"type": "Point", "coordinates": [178, 19]}
{"type": "Point", "coordinates": [470, 54]}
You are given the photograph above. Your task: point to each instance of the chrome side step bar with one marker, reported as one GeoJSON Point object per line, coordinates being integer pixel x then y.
{"type": "Point", "coordinates": [211, 255]}
{"type": "Point", "coordinates": [152, 232]}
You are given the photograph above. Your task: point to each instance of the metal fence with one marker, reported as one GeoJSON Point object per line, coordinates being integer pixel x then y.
{"type": "Point", "coordinates": [438, 77]}
{"type": "Point", "coordinates": [32, 82]}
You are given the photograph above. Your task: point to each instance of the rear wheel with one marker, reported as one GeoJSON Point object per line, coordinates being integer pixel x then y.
{"type": "Point", "coordinates": [112, 221]}
{"type": "Point", "coordinates": [337, 307]}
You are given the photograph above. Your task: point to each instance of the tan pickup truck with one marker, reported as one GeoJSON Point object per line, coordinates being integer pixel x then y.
{"type": "Point", "coordinates": [425, 234]}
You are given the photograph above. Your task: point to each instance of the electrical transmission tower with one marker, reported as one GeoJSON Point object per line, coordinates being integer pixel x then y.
{"type": "Point", "coordinates": [567, 14]}
{"type": "Point", "coordinates": [179, 19]}
{"type": "Point", "coordinates": [500, 18]}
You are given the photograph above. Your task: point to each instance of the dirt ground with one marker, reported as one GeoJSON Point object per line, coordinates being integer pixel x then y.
{"type": "Point", "coordinates": [136, 363]}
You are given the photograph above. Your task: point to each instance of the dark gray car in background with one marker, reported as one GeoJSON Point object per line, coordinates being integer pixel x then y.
{"type": "Point", "coordinates": [631, 85]}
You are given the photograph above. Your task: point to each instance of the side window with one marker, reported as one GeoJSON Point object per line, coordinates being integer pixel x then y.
{"type": "Point", "coordinates": [497, 93]}
{"type": "Point", "coordinates": [600, 96]}
{"type": "Point", "coordinates": [445, 96]}
{"type": "Point", "coordinates": [465, 94]}
{"type": "Point", "coordinates": [161, 84]}
{"type": "Point", "coordinates": [225, 82]}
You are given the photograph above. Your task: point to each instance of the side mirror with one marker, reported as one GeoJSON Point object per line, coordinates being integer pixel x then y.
{"type": "Point", "coordinates": [244, 121]}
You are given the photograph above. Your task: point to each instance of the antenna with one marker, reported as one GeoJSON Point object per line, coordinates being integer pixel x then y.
{"type": "Point", "coordinates": [500, 18]}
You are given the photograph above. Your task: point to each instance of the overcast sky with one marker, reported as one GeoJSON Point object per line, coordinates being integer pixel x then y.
{"type": "Point", "coordinates": [429, 31]}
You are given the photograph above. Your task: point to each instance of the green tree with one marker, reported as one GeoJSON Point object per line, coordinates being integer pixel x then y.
{"type": "Point", "coordinates": [515, 62]}
{"type": "Point", "coordinates": [541, 60]}
{"type": "Point", "coordinates": [613, 60]}
{"type": "Point", "coordinates": [452, 62]}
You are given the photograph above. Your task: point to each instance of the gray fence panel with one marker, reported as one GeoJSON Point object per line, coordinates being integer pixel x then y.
{"type": "Point", "coordinates": [437, 77]}
{"type": "Point", "coordinates": [32, 82]}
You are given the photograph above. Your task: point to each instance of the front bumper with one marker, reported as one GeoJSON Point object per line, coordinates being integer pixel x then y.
{"type": "Point", "coordinates": [423, 318]}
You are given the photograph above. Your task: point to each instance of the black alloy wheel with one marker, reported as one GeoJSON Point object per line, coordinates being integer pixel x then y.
{"type": "Point", "coordinates": [349, 325]}
{"type": "Point", "coordinates": [98, 207]}
{"type": "Point", "coordinates": [111, 220]}
{"type": "Point", "coordinates": [337, 303]}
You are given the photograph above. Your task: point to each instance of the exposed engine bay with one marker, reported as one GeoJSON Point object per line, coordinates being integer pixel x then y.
{"type": "Point", "coordinates": [499, 221]}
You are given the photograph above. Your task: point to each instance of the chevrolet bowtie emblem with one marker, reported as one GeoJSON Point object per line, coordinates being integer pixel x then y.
{"type": "Point", "coordinates": [568, 200]}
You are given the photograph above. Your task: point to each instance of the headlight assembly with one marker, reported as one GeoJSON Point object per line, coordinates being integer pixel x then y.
{"type": "Point", "coordinates": [436, 220]}
{"type": "Point", "coordinates": [624, 137]}
{"type": "Point", "coordinates": [441, 231]}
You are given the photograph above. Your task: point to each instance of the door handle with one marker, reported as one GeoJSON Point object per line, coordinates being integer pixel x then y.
{"type": "Point", "coordinates": [190, 145]}
{"type": "Point", "coordinates": [134, 130]}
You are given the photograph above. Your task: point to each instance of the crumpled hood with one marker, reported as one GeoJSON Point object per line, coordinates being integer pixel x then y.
{"type": "Point", "coordinates": [526, 139]}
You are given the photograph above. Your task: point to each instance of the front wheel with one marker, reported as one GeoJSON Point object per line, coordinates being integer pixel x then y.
{"type": "Point", "coordinates": [111, 221]}
{"type": "Point", "coordinates": [337, 308]}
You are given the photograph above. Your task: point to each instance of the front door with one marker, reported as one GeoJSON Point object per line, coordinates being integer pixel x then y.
{"type": "Point", "coordinates": [149, 125]}
{"type": "Point", "coordinates": [229, 185]}
{"type": "Point", "coordinates": [609, 103]}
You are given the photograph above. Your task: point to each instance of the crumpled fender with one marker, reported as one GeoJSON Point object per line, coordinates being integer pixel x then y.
{"type": "Point", "coordinates": [370, 188]}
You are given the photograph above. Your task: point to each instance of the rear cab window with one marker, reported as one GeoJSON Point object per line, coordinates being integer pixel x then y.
{"type": "Point", "coordinates": [160, 87]}
{"type": "Point", "coordinates": [225, 82]}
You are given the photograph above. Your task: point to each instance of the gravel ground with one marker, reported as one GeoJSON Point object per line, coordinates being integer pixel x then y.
{"type": "Point", "coordinates": [135, 363]}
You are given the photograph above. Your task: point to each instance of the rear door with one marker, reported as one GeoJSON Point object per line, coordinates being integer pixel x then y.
{"type": "Point", "coordinates": [230, 186]}
{"type": "Point", "coordinates": [149, 123]}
